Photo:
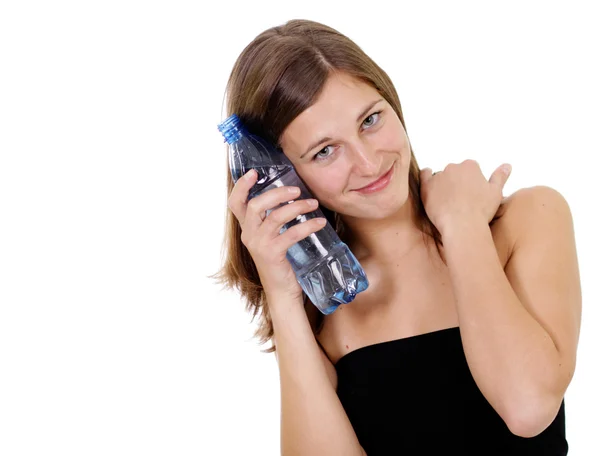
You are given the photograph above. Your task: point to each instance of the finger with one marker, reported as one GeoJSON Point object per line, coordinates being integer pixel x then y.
{"type": "Point", "coordinates": [298, 232]}
{"type": "Point", "coordinates": [238, 198]}
{"type": "Point", "coordinates": [501, 175]}
{"type": "Point", "coordinates": [426, 174]}
{"type": "Point", "coordinates": [257, 207]}
{"type": "Point", "coordinates": [287, 213]}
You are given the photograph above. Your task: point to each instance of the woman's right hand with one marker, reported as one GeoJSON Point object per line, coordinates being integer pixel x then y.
{"type": "Point", "coordinates": [261, 236]}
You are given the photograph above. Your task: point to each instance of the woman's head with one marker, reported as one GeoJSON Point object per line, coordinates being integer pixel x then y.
{"type": "Point", "coordinates": [350, 137]}
{"type": "Point", "coordinates": [278, 80]}
{"type": "Point", "coordinates": [295, 84]}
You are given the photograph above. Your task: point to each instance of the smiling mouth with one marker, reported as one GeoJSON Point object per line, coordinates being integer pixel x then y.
{"type": "Point", "coordinates": [378, 184]}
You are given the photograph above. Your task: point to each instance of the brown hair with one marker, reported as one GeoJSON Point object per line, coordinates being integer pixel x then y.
{"type": "Point", "coordinates": [276, 77]}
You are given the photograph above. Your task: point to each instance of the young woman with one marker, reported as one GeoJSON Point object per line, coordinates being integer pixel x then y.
{"type": "Point", "coordinates": [465, 341]}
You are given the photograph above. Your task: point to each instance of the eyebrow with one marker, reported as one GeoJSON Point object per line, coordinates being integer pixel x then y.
{"type": "Point", "coordinates": [327, 138]}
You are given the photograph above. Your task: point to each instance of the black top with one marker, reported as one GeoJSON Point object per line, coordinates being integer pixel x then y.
{"type": "Point", "coordinates": [416, 396]}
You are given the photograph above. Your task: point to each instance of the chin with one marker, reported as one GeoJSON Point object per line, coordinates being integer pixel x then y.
{"type": "Point", "coordinates": [378, 209]}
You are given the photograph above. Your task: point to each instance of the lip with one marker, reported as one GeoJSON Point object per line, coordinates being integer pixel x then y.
{"type": "Point", "coordinates": [379, 184]}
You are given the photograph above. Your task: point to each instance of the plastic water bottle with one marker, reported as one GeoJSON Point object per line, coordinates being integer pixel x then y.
{"type": "Point", "coordinates": [325, 267]}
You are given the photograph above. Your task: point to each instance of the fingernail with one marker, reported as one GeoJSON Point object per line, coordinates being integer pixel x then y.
{"type": "Point", "coordinates": [250, 174]}
{"type": "Point", "coordinates": [507, 169]}
{"type": "Point", "coordinates": [312, 202]}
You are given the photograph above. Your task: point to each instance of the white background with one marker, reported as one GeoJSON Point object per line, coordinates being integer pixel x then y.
{"type": "Point", "coordinates": [112, 200]}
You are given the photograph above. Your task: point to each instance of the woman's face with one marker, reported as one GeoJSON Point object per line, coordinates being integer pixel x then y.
{"type": "Point", "coordinates": [347, 140]}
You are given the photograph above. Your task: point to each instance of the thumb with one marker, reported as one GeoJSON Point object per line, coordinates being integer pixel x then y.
{"type": "Point", "coordinates": [500, 176]}
{"type": "Point", "coordinates": [426, 174]}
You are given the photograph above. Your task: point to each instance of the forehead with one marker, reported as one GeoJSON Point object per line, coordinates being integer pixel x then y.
{"type": "Point", "coordinates": [343, 97]}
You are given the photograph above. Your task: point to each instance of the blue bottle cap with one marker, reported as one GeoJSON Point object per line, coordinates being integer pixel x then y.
{"type": "Point", "coordinates": [232, 129]}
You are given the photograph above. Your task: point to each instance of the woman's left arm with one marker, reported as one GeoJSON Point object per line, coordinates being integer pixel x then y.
{"type": "Point", "coordinates": [519, 325]}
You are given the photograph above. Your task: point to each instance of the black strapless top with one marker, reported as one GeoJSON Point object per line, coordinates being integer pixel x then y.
{"type": "Point", "coordinates": [416, 396]}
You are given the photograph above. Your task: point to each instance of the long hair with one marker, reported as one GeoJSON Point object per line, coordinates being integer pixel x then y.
{"type": "Point", "coordinates": [276, 77]}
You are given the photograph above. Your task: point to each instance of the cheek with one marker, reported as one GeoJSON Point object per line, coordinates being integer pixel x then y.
{"type": "Point", "coordinates": [327, 184]}
{"type": "Point", "coordinates": [392, 136]}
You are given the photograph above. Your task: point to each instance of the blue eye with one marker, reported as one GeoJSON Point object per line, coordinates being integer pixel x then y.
{"type": "Point", "coordinates": [374, 119]}
{"type": "Point", "coordinates": [321, 157]}
{"type": "Point", "coordinates": [375, 116]}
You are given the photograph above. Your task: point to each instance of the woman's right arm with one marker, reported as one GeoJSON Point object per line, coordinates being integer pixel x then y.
{"type": "Point", "coordinates": [313, 420]}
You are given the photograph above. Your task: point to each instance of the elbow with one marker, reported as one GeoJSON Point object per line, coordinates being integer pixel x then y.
{"type": "Point", "coordinates": [528, 420]}
{"type": "Point", "coordinates": [528, 415]}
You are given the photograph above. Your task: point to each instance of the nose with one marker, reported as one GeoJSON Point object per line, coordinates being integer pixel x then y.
{"type": "Point", "coordinates": [366, 161]}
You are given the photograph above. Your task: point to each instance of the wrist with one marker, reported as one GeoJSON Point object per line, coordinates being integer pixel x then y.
{"type": "Point", "coordinates": [452, 225]}
{"type": "Point", "coordinates": [464, 230]}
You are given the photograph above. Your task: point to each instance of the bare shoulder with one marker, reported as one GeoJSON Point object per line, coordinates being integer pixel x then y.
{"type": "Point", "coordinates": [527, 204]}
{"type": "Point", "coordinates": [523, 200]}
{"type": "Point", "coordinates": [518, 211]}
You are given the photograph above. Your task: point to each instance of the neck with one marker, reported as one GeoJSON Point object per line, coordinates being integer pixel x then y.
{"type": "Point", "coordinates": [385, 240]}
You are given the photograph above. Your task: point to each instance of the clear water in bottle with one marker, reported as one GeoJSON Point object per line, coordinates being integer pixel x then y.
{"type": "Point", "coordinates": [325, 267]}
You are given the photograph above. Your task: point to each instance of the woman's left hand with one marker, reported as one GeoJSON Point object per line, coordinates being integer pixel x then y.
{"type": "Point", "coordinates": [461, 192]}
